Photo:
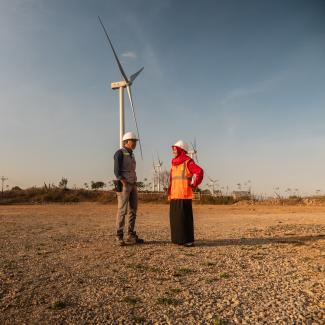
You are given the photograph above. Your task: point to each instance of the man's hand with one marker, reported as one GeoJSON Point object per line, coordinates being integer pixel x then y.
{"type": "Point", "coordinates": [124, 182]}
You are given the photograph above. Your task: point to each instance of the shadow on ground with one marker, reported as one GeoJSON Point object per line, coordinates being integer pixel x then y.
{"type": "Point", "coordinates": [298, 240]}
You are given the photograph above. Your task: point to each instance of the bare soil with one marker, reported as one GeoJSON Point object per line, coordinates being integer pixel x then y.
{"type": "Point", "coordinates": [59, 264]}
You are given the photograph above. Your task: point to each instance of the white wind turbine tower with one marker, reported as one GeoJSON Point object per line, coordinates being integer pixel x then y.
{"type": "Point", "coordinates": [154, 175]}
{"type": "Point", "coordinates": [213, 182]}
{"type": "Point", "coordinates": [157, 172]}
{"type": "Point", "coordinates": [121, 85]}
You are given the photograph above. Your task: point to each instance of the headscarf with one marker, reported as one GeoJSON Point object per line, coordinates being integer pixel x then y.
{"type": "Point", "coordinates": [181, 156]}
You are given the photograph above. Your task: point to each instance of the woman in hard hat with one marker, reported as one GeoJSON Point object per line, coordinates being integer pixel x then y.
{"type": "Point", "coordinates": [185, 175]}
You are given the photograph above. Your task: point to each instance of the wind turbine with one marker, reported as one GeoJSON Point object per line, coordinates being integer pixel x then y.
{"type": "Point", "coordinates": [157, 171]}
{"type": "Point", "coordinates": [212, 183]}
{"type": "Point", "coordinates": [121, 85]}
{"type": "Point", "coordinates": [193, 152]}
{"type": "Point", "coordinates": [3, 179]}
{"type": "Point", "coordinates": [154, 174]}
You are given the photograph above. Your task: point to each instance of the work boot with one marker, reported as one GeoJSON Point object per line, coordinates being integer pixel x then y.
{"type": "Point", "coordinates": [120, 241]}
{"type": "Point", "coordinates": [134, 239]}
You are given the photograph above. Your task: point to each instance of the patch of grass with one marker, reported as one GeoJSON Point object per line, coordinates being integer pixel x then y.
{"type": "Point", "coordinates": [140, 267]}
{"type": "Point", "coordinates": [131, 300]}
{"type": "Point", "coordinates": [168, 301]}
{"type": "Point", "coordinates": [183, 271]}
{"type": "Point", "coordinates": [224, 275]}
{"type": "Point", "coordinates": [138, 320]}
{"type": "Point", "coordinates": [175, 290]}
{"type": "Point", "coordinates": [210, 263]}
{"type": "Point", "coordinates": [218, 321]}
{"type": "Point", "coordinates": [211, 280]}
{"type": "Point", "coordinates": [59, 304]}
{"type": "Point", "coordinates": [257, 257]}
{"type": "Point", "coordinates": [189, 254]}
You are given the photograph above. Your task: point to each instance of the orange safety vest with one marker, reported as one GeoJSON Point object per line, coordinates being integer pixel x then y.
{"type": "Point", "coordinates": [180, 182]}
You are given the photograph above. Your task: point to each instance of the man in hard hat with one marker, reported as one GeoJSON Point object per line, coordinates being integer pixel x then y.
{"type": "Point", "coordinates": [127, 197]}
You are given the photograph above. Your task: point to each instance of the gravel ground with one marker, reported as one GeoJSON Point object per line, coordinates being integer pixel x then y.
{"type": "Point", "coordinates": [251, 265]}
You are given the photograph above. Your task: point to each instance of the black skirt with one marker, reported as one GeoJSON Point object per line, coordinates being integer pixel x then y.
{"type": "Point", "coordinates": [181, 221]}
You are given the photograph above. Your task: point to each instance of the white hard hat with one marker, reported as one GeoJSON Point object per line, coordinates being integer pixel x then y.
{"type": "Point", "coordinates": [181, 144]}
{"type": "Point", "coordinates": [129, 136]}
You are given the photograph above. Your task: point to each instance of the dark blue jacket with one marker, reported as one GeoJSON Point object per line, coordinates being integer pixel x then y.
{"type": "Point", "coordinates": [118, 160]}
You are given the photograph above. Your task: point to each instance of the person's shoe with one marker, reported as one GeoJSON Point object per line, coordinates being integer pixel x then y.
{"type": "Point", "coordinates": [134, 239]}
{"type": "Point", "coordinates": [188, 245]}
{"type": "Point", "coordinates": [120, 241]}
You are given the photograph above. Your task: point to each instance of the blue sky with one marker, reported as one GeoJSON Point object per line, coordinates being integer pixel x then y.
{"type": "Point", "coordinates": [245, 78]}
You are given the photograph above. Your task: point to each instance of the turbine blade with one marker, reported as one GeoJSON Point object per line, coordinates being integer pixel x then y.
{"type": "Point", "coordinates": [153, 163]}
{"type": "Point", "coordinates": [134, 117]}
{"type": "Point", "coordinates": [116, 58]}
{"type": "Point", "coordinates": [132, 78]}
{"type": "Point", "coordinates": [159, 162]}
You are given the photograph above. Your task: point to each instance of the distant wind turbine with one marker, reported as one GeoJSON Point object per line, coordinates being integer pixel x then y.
{"type": "Point", "coordinates": [193, 152]}
{"type": "Point", "coordinates": [157, 172]}
{"type": "Point", "coordinates": [213, 182]}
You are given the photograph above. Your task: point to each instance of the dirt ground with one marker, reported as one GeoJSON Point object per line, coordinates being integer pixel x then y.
{"type": "Point", "coordinates": [251, 265]}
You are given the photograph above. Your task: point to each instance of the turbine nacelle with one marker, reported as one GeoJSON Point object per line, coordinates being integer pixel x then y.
{"type": "Point", "coordinates": [119, 84]}
{"type": "Point", "coordinates": [127, 82]}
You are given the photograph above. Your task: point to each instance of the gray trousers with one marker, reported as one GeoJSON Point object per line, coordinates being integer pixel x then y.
{"type": "Point", "coordinates": [127, 204]}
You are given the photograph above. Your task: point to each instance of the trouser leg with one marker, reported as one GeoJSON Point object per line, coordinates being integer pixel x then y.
{"type": "Point", "coordinates": [133, 207]}
{"type": "Point", "coordinates": [122, 206]}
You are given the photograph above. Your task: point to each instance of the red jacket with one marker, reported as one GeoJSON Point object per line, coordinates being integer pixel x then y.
{"type": "Point", "coordinates": [196, 170]}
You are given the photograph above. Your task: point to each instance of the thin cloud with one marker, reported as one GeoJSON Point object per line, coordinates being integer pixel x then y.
{"type": "Point", "coordinates": [253, 89]}
{"type": "Point", "coordinates": [129, 55]}
{"type": "Point", "coordinates": [243, 92]}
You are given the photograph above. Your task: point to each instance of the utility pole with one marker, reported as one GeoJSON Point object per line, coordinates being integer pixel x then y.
{"type": "Point", "coordinates": [3, 179]}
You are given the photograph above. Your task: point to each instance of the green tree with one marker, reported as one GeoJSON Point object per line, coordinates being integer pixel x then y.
{"type": "Point", "coordinates": [97, 185]}
{"type": "Point", "coordinates": [63, 183]}
{"type": "Point", "coordinates": [141, 186]}
{"type": "Point", "coordinates": [16, 188]}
